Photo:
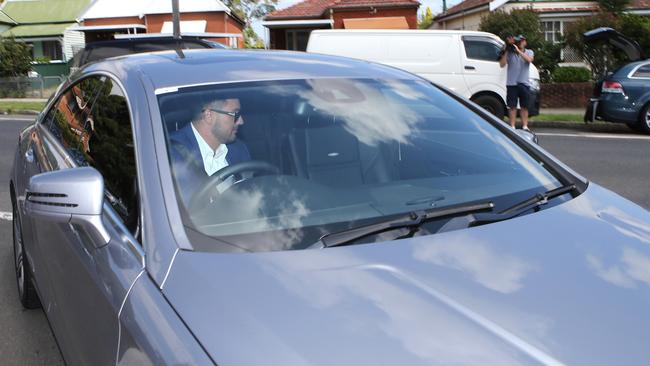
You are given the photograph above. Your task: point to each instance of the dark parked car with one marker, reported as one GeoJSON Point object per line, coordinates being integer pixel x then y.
{"type": "Point", "coordinates": [623, 96]}
{"type": "Point", "coordinates": [126, 46]}
{"type": "Point", "coordinates": [357, 215]}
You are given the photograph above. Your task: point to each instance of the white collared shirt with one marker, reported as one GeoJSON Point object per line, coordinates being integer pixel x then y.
{"type": "Point", "coordinates": [213, 160]}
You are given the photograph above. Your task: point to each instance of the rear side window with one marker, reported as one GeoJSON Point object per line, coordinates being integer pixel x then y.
{"type": "Point", "coordinates": [92, 122]}
{"type": "Point", "coordinates": [642, 72]}
{"type": "Point", "coordinates": [478, 49]}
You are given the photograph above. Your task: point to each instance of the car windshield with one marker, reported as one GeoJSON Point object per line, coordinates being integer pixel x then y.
{"type": "Point", "coordinates": [275, 165]}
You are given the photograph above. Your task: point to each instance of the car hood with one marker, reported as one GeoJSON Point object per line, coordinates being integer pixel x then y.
{"type": "Point", "coordinates": [566, 285]}
{"type": "Point", "coordinates": [630, 47]}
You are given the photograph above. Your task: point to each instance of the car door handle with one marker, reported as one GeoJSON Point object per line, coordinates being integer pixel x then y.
{"type": "Point", "coordinates": [470, 68]}
{"type": "Point", "coordinates": [29, 155]}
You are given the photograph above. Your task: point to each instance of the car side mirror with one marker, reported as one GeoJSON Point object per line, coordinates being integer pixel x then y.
{"type": "Point", "coordinates": [73, 196]}
{"type": "Point", "coordinates": [528, 135]}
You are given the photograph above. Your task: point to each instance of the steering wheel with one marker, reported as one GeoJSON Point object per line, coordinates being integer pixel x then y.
{"type": "Point", "coordinates": [253, 166]}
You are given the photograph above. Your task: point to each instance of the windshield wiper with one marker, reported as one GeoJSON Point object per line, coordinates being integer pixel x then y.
{"type": "Point", "coordinates": [412, 220]}
{"type": "Point", "coordinates": [534, 202]}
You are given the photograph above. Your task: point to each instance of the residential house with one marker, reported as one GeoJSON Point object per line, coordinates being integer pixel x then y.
{"type": "Point", "coordinates": [554, 16]}
{"type": "Point", "coordinates": [289, 28]}
{"type": "Point", "coordinates": [47, 25]}
{"type": "Point", "coordinates": [209, 18]}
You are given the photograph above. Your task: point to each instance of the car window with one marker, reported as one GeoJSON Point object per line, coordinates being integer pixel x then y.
{"type": "Point", "coordinates": [91, 120]}
{"type": "Point", "coordinates": [309, 157]}
{"type": "Point", "coordinates": [477, 49]}
{"type": "Point", "coordinates": [642, 72]}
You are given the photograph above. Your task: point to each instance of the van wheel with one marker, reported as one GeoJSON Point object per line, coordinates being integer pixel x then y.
{"type": "Point", "coordinates": [490, 104]}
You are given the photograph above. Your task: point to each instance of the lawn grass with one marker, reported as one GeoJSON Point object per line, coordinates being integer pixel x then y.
{"type": "Point", "coordinates": [21, 106]}
{"type": "Point", "coordinates": [558, 118]}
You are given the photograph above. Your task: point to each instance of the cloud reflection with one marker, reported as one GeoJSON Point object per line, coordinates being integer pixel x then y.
{"type": "Point", "coordinates": [633, 267]}
{"type": "Point", "coordinates": [498, 272]}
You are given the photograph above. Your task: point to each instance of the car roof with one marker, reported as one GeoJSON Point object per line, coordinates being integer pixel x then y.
{"type": "Point", "coordinates": [166, 69]}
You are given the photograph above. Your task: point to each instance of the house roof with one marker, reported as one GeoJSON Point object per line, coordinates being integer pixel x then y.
{"type": "Point", "coordinates": [6, 19]}
{"type": "Point", "coordinates": [44, 11]}
{"type": "Point", "coordinates": [132, 8]}
{"type": "Point", "coordinates": [316, 8]}
{"type": "Point", "coordinates": [471, 4]}
{"type": "Point", "coordinates": [37, 30]}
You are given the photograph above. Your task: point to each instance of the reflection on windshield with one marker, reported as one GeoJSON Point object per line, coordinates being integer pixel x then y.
{"type": "Point", "coordinates": [307, 157]}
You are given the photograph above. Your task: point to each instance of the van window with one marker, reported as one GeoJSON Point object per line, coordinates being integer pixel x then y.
{"type": "Point", "coordinates": [477, 49]}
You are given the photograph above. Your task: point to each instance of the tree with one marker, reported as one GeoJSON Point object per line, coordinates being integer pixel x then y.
{"type": "Point", "coordinates": [526, 22]}
{"type": "Point", "coordinates": [251, 40]}
{"type": "Point", "coordinates": [601, 56]}
{"type": "Point", "coordinates": [249, 10]}
{"type": "Point", "coordinates": [426, 19]}
{"type": "Point", "coordinates": [613, 6]}
{"type": "Point", "coordinates": [15, 58]}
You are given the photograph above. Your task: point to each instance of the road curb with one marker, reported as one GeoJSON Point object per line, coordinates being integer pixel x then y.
{"type": "Point", "coordinates": [581, 126]}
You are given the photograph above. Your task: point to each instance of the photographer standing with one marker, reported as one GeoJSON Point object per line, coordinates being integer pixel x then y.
{"type": "Point", "coordinates": [518, 59]}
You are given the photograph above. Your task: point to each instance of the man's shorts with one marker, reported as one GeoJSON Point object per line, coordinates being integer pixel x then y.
{"type": "Point", "coordinates": [519, 92]}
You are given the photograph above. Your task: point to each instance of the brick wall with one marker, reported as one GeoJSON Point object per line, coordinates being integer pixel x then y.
{"type": "Point", "coordinates": [565, 95]}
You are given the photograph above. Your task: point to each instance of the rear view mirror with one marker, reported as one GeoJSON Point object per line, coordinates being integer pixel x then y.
{"type": "Point", "coordinates": [70, 196]}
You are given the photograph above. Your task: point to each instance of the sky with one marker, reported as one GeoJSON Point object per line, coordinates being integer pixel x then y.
{"type": "Point", "coordinates": [435, 5]}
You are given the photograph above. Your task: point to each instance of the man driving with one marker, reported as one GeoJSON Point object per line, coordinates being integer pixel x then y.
{"type": "Point", "coordinates": [207, 144]}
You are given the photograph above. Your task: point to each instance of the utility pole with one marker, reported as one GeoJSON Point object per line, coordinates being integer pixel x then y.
{"type": "Point", "coordinates": [444, 6]}
{"type": "Point", "coordinates": [176, 19]}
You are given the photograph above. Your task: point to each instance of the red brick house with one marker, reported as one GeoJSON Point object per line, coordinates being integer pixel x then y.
{"type": "Point", "coordinates": [289, 28]}
{"type": "Point", "coordinates": [210, 18]}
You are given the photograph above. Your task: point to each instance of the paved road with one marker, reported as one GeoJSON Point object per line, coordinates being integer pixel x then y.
{"type": "Point", "coordinates": [620, 162]}
{"type": "Point", "coordinates": [617, 161]}
{"type": "Point", "coordinates": [26, 338]}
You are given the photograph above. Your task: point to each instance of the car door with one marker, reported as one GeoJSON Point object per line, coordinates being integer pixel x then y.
{"type": "Point", "coordinates": [637, 85]}
{"type": "Point", "coordinates": [481, 69]}
{"type": "Point", "coordinates": [89, 125]}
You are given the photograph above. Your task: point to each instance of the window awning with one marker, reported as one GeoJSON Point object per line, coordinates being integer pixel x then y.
{"type": "Point", "coordinates": [376, 23]}
{"type": "Point", "coordinates": [97, 28]}
{"type": "Point", "coordinates": [297, 23]}
{"type": "Point", "coordinates": [187, 26]}
{"type": "Point", "coordinates": [37, 30]}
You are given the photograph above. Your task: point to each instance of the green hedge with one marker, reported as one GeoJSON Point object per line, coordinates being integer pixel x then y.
{"type": "Point", "coordinates": [571, 74]}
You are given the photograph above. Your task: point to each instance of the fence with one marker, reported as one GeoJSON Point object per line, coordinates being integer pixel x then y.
{"type": "Point", "coordinates": [29, 87]}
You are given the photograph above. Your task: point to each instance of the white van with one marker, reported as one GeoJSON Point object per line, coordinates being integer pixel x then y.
{"type": "Point", "coordinates": [463, 61]}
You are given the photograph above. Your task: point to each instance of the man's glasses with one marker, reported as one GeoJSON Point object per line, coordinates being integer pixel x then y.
{"type": "Point", "coordinates": [236, 115]}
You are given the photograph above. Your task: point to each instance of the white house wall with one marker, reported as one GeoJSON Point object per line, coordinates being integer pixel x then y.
{"type": "Point", "coordinates": [73, 41]}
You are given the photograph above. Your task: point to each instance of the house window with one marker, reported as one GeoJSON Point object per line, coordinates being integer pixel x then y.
{"type": "Point", "coordinates": [297, 39]}
{"type": "Point", "coordinates": [52, 50]}
{"type": "Point", "coordinates": [552, 31]}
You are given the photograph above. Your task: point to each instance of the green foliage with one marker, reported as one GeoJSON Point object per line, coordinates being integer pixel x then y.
{"type": "Point", "coordinates": [601, 56]}
{"type": "Point", "coordinates": [526, 22]}
{"type": "Point", "coordinates": [15, 58]}
{"type": "Point", "coordinates": [426, 19]}
{"type": "Point", "coordinates": [42, 59]}
{"type": "Point", "coordinates": [613, 6]}
{"type": "Point", "coordinates": [637, 28]}
{"type": "Point", "coordinates": [249, 10]}
{"type": "Point", "coordinates": [571, 75]}
{"type": "Point", "coordinates": [251, 40]}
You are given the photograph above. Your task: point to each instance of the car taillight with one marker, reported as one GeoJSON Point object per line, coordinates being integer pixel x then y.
{"type": "Point", "coordinates": [612, 87]}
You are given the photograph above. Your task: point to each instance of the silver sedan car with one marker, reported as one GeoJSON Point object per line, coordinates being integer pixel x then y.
{"type": "Point", "coordinates": [278, 208]}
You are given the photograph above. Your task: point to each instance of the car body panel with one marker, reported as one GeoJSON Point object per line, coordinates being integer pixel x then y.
{"type": "Point", "coordinates": [578, 294]}
{"type": "Point", "coordinates": [621, 108]}
{"type": "Point", "coordinates": [152, 334]}
{"type": "Point", "coordinates": [494, 294]}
